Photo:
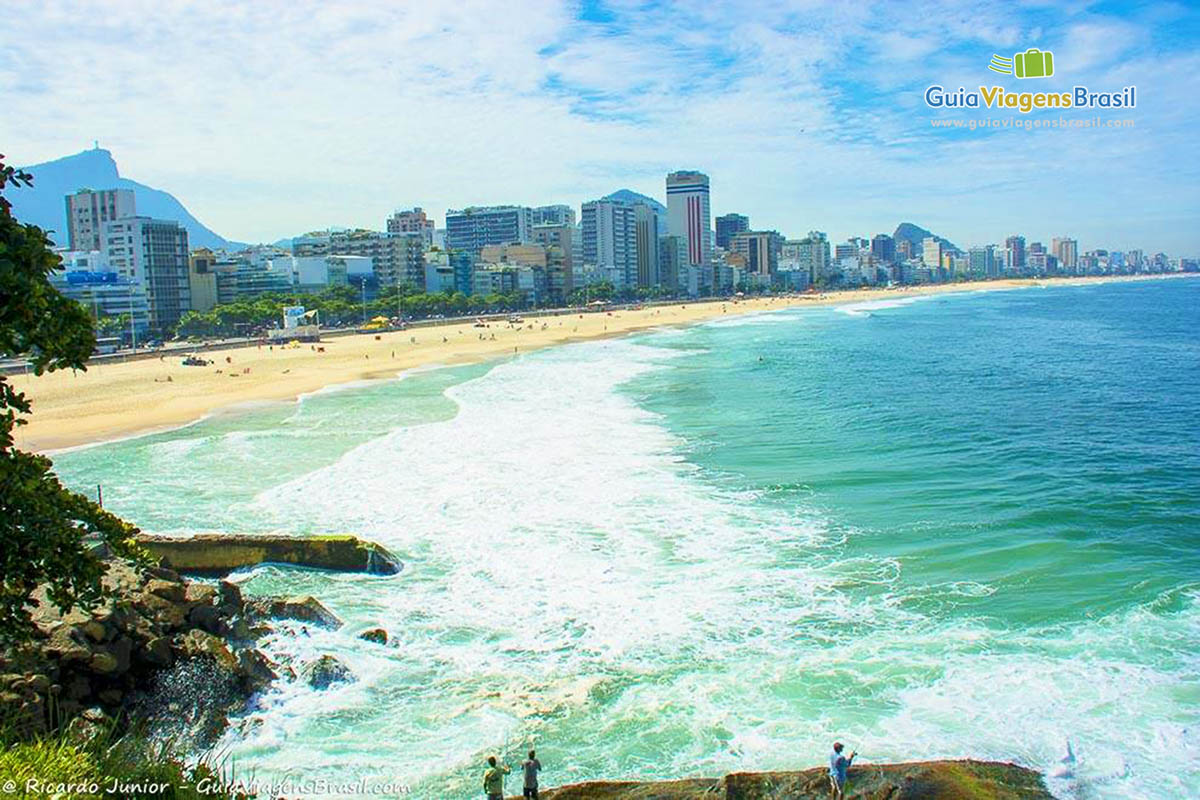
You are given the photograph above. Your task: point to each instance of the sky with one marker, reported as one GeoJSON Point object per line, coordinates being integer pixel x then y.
{"type": "Point", "coordinates": [269, 119]}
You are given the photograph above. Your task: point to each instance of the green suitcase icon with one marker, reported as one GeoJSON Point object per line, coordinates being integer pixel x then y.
{"type": "Point", "coordinates": [1034, 63]}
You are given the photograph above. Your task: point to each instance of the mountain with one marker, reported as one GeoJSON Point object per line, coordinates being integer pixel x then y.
{"type": "Point", "coordinates": [630, 196]}
{"type": "Point", "coordinates": [44, 206]}
{"type": "Point", "coordinates": [917, 235]}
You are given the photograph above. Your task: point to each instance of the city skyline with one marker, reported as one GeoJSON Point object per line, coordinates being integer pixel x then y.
{"type": "Point", "coordinates": [802, 118]}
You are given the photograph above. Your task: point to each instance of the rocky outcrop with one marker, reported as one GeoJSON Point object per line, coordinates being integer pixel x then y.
{"type": "Point", "coordinates": [326, 671]}
{"type": "Point", "coordinates": [376, 635]}
{"type": "Point", "coordinates": [125, 653]}
{"type": "Point", "coordinates": [220, 554]}
{"type": "Point", "coordinates": [300, 608]}
{"type": "Point", "coordinates": [926, 780]}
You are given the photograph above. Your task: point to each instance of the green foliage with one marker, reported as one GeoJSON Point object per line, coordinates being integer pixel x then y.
{"type": "Point", "coordinates": [130, 764]}
{"type": "Point", "coordinates": [42, 525]}
{"type": "Point", "coordinates": [339, 305]}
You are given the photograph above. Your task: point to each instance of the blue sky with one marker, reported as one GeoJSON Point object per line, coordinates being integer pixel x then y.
{"type": "Point", "coordinates": [268, 119]}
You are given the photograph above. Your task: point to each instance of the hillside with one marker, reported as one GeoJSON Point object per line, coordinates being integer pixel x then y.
{"type": "Point", "coordinates": [917, 235]}
{"type": "Point", "coordinates": [44, 206]}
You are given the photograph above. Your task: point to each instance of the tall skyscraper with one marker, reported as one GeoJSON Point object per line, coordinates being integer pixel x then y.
{"type": "Point", "coordinates": [883, 247]}
{"type": "Point", "coordinates": [471, 229]}
{"type": "Point", "coordinates": [645, 223]}
{"type": "Point", "coordinates": [931, 252]}
{"type": "Point", "coordinates": [153, 252]}
{"type": "Point", "coordinates": [1066, 251]}
{"type": "Point", "coordinates": [688, 214]}
{"type": "Point", "coordinates": [610, 240]}
{"type": "Point", "coordinates": [1016, 253]}
{"type": "Point", "coordinates": [89, 211]}
{"type": "Point", "coordinates": [672, 256]}
{"type": "Point", "coordinates": [728, 226]}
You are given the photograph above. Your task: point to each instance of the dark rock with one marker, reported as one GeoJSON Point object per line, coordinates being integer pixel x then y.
{"type": "Point", "coordinates": [158, 652]}
{"type": "Point", "coordinates": [103, 663]}
{"type": "Point", "coordinates": [111, 697]}
{"type": "Point", "coordinates": [200, 594]}
{"type": "Point", "coordinates": [209, 618]}
{"type": "Point", "coordinates": [376, 635]}
{"type": "Point", "coordinates": [326, 671]}
{"type": "Point", "coordinates": [302, 608]}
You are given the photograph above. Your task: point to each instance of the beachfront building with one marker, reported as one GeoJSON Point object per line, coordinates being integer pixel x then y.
{"type": "Point", "coordinates": [471, 229]}
{"type": "Point", "coordinates": [760, 251]}
{"type": "Point", "coordinates": [202, 279]}
{"type": "Point", "coordinates": [982, 261]}
{"type": "Point", "coordinates": [88, 211]}
{"type": "Point", "coordinates": [567, 239]}
{"type": "Point", "coordinates": [106, 294]}
{"type": "Point", "coordinates": [550, 259]}
{"type": "Point", "coordinates": [883, 248]}
{"type": "Point", "coordinates": [610, 241]}
{"type": "Point", "coordinates": [396, 258]}
{"type": "Point", "coordinates": [413, 220]}
{"type": "Point", "coordinates": [153, 252]}
{"type": "Point", "coordinates": [645, 232]}
{"type": "Point", "coordinates": [1067, 252]}
{"type": "Point", "coordinates": [688, 214]}
{"type": "Point", "coordinates": [1015, 245]}
{"type": "Point", "coordinates": [448, 271]}
{"type": "Point", "coordinates": [812, 257]}
{"type": "Point", "coordinates": [728, 226]}
{"type": "Point", "coordinates": [672, 256]}
{"type": "Point", "coordinates": [931, 253]}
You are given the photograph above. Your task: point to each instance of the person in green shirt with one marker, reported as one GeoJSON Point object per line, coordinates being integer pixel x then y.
{"type": "Point", "coordinates": [493, 779]}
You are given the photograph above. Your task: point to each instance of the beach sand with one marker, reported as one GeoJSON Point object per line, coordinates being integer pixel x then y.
{"type": "Point", "coordinates": [116, 399]}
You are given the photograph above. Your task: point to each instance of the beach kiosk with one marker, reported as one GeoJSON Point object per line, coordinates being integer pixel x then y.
{"type": "Point", "coordinates": [298, 326]}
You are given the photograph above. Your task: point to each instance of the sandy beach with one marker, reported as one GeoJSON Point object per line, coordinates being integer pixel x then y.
{"type": "Point", "coordinates": [113, 400]}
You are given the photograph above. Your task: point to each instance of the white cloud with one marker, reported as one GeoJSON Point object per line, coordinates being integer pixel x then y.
{"type": "Point", "coordinates": [270, 118]}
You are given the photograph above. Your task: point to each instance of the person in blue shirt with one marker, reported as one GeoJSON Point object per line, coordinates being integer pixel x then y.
{"type": "Point", "coordinates": [838, 765]}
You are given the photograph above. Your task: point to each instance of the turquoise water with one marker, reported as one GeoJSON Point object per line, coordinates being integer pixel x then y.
{"type": "Point", "coordinates": [940, 527]}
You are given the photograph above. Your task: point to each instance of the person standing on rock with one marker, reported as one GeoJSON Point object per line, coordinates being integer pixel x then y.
{"type": "Point", "coordinates": [838, 766]}
{"type": "Point", "coordinates": [531, 767]}
{"type": "Point", "coordinates": [493, 779]}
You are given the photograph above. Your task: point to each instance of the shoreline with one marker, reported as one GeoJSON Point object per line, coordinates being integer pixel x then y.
{"type": "Point", "coordinates": [116, 401]}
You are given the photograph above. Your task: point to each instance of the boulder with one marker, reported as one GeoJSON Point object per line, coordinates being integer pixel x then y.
{"type": "Point", "coordinates": [376, 635]}
{"type": "Point", "coordinates": [220, 554]}
{"type": "Point", "coordinates": [326, 671]}
{"type": "Point", "coordinates": [303, 608]}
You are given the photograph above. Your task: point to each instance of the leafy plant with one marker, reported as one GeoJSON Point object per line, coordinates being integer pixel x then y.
{"type": "Point", "coordinates": [44, 528]}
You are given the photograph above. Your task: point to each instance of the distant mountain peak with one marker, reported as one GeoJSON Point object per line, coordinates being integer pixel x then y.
{"type": "Point", "coordinates": [914, 233]}
{"type": "Point", "coordinates": [95, 168]}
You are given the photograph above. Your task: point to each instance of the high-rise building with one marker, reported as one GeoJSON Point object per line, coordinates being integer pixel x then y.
{"type": "Point", "coordinates": [1016, 253]}
{"type": "Point", "coordinates": [1066, 251]}
{"type": "Point", "coordinates": [106, 294]}
{"type": "Point", "coordinates": [610, 241]}
{"type": "Point", "coordinates": [730, 225]}
{"type": "Point", "coordinates": [89, 211]}
{"type": "Point", "coordinates": [555, 281]}
{"type": "Point", "coordinates": [813, 256]}
{"type": "Point", "coordinates": [672, 256]}
{"type": "Point", "coordinates": [153, 252]}
{"type": "Point", "coordinates": [688, 214]}
{"type": "Point", "coordinates": [472, 229]}
{"type": "Point", "coordinates": [931, 252]}
{"type": "Point", "coordinates": [982, 261]}
{"type": "Point", "coordinates": [565, 237]}
{"type": "Point", "coordinates": [761, 251]}
{"type": "Point", "coordinates": [202, 279]}
{"type": "Point", "coordinates": [412, 221]}
{"type": "Point", "coordinates": [883, 247]}
{"type": "Point", "coordinates": [553, 215]}
{"type": "Point", "coordinates": [645, 223]}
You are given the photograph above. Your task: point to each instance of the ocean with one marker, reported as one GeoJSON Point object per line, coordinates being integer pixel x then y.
{"type": "Point", "coordinates": [931, 527]}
